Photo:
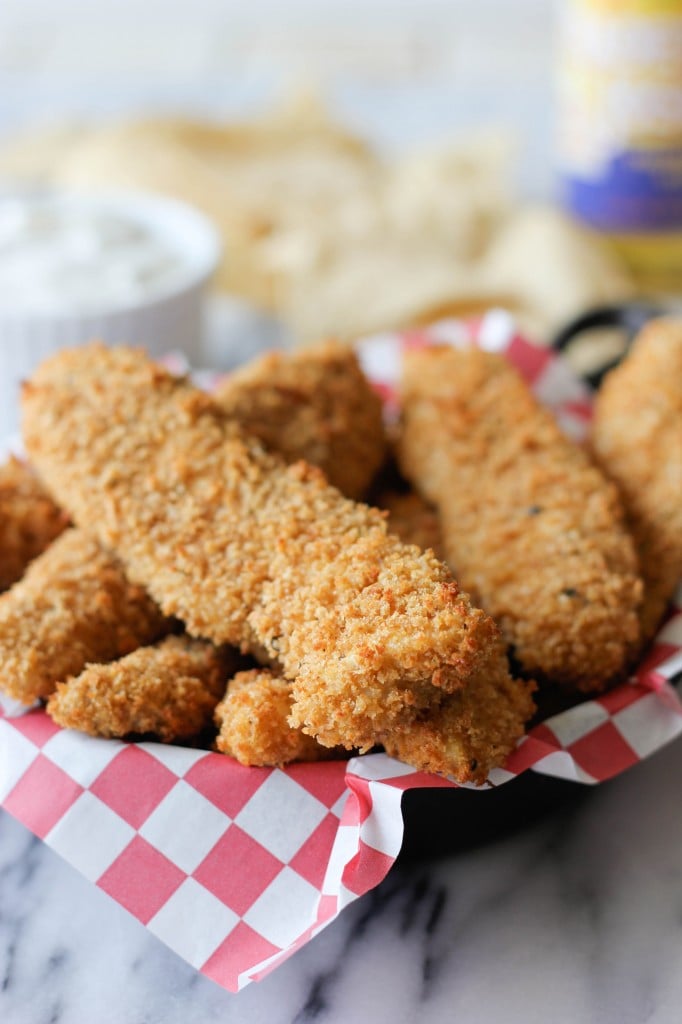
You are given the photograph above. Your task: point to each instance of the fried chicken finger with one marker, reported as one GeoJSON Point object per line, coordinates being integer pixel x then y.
{"type": "Point", "coordinates": [307, 405]}
{"type": "Point", "coordinates": [471, 732]}
{"type": "Point", "coordinates": [637, 441]}
{"type": "Point", "coordinates": [73, 606]}
{"type": "Point", "coordinates": [253, 724]}
{"type": "Point", "coordinates": [531, 528]}
{"type": "Point", "coordinates": [169, 690]}
{"type": "Point", "coordinates": [29, 520]}
{"type": "Point", "coordinates": [412, 519]}
{"type": "Point", "coordinates": [314, 404]}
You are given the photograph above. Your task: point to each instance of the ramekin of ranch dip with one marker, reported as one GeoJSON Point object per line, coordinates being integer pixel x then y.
{"type": "Point", "coordinates": [122, 267]}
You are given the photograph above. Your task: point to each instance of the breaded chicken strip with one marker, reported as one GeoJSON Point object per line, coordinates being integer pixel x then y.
{"type": "Point", "coordinates": [169, 690]}
{"type": "Point", "coordinates": [248, 551]}
{"type": "Point", "coordinates": [412, 519]}
{"type": "Point", "coordinates": [637, 441]}
{"type": "Point", "coordinates": [73, 606]}
{"type": "Point", "coordinates": [473, 730]}
{"type": "Point", "coordinates": [314, 404]}
{"type": "Point", "coordinates": [314, 400]}
{"type": "Point", "coordinates": [531, 528]}
{"type": "Point", "coordinates": [29, 520]}
{"type": "Point", "coordinates": [253, 722]}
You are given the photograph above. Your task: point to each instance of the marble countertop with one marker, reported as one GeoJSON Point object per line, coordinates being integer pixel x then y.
{"type": "Point", "coordinates": [577, 918]}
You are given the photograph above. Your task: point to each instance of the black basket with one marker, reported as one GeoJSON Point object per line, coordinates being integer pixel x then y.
{"type": "Point", "coordinates": [442, 821]}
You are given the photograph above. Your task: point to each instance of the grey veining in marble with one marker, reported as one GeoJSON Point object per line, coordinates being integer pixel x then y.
{"type": "Point", "coordinates": [577, 919]}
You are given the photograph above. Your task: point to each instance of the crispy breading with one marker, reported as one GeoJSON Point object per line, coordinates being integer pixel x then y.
{"type": "Point", "coordinates": [253, 722]}
{"type": "Point", "coordinates": [471, 732]}
{"type": "Point", "coordinates": [29, 520]}
{"type": "Point", "coordinates": [244, 549]}
{"type": "Point", "coordinates": [412, 519]}
{"type": "Point", "coordinates": [637, 441]}
{"type": "Point", "coordinates": [73, 606]}
{"type": "Point", "coordinates": [169, 689]}
{"type": "Point", "coordinates": [316, 399]}
{"type": "Point", "coordinates": [532, 529]}
{"type": "Point", "coordinates": [313, 404]}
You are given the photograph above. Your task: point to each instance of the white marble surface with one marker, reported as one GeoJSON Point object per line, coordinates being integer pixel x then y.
{"type": "Point", "coordinates": [576, 919]}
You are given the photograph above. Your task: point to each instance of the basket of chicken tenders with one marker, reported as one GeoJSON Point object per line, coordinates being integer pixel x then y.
{"type": "Point", "coordinates": [240, 624]}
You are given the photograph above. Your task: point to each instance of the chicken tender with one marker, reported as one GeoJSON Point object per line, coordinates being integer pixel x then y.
{"type": "Point", "coordinates": [169, 690]}
{"type": "Point", "coordinates": [413, 520]}
{"type": "Point", "coordinates": [253, 723]}
{"type": "Point", "coordinates": [473, 731]}
{"type": "Point", "coordinates": [248, 551]}
{"type": "Point", "coordinates": [73, 606]}
{"type": "Point", "coordinates": [306, 405]}
{"type": "Point", "coordinates": [29, 520]}
{"type": "Point", "coordinates": [637, 441]}
{"type": "Point", "coordinates": [531, 528]}
{"type": "Point", "coordinates": [315, 404]}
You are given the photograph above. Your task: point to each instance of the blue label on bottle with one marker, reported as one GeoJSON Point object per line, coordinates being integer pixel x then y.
{"type": "Point", "coordinates": [639, 192]}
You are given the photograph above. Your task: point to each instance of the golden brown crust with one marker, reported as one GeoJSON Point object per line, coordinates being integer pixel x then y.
{"type": "Point", "coordinates": [169, 690]}
{"type": "Point", "coordinates": [413, 520]}
{"type": "Point", "coordinates": [471, 732]}
{"type": "Point", "coordinates": [73, 606]}
{"type": "Point", "coordinates": [242, 548]}
{"type": "Point", "coordinates": [253, 723]}
{"type": "Point", "coordinates": [531, 528]}
{"type": "Point", "coordinates": [313, 404]}
{"type": "Point", "coordinates": [637, 441]}
{"type": "Point", "coordinates": [29, 520]}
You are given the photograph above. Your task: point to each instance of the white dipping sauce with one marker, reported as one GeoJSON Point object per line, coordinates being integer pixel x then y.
{"type": "Point", "coordinates": [60, 255]}
{"type": "Point", "coordinates": [125, 267]}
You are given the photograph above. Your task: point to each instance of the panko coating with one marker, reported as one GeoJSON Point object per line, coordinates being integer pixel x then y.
{"type": "Point", "coordinates": [29, 520]}
{"type": "Point", "coordinates": [531, 528]}
{"type": "Point", "coordinates": [169, 689]}
{"type": "Point", "coordinates": [472, 731]}
{"type": "Point", "coordinates": [253, 725]}
{"type": "Point", "coordinates": [637, 441]}
{"type": "Point", "coordinates": [313, 404]}
{"type": "Point", "coordinates": [412, 519]}
{"type": "Point", "coordinates": [73, 606]}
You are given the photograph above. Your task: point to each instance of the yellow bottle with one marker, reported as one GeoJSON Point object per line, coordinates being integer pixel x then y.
{"type": "Point", "coordinates": [619, 129]}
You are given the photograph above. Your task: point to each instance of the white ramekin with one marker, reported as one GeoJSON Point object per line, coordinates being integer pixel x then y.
{"type": "Point", "coordinates": [168, 321]}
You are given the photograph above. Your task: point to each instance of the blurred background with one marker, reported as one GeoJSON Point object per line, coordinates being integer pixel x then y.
{"type": "Point", "coordinates": [401, 72]}
{"type": "Point", "coordinates": [369, 165]}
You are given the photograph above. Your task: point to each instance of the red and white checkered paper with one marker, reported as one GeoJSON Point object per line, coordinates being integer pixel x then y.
{"type": "Point", "coordinates": [235, 868]}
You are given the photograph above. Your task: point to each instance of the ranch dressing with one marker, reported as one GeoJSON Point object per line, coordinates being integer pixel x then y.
{"type": "Point", "coordinates": [61, 255]}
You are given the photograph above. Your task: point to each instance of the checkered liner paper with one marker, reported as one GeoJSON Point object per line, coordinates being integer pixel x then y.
{"type": "Point", "coordinates": [235, 868]}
